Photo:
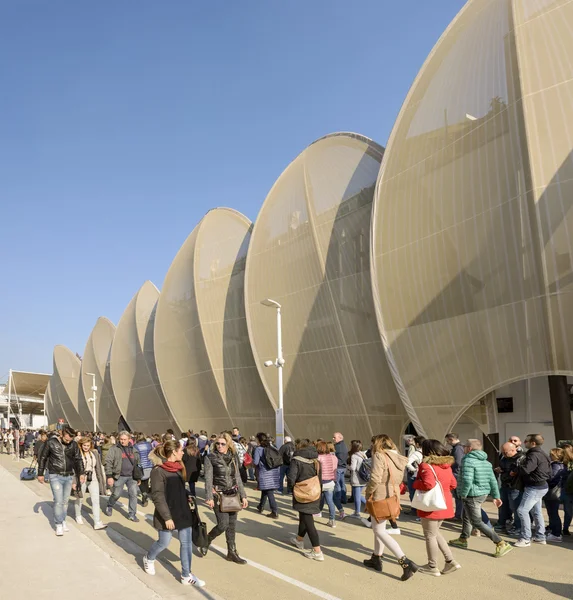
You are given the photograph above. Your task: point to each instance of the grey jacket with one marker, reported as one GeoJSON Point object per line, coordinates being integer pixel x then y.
{"type": "Point", "coordinates": [113, 460]}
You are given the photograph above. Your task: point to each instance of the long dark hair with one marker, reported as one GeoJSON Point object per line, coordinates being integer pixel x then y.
{"type": "Point", "coordinates": [169, 447]}
{"type": "Point", "coordinates": [434, 448]}
{"type": "Point", "coordinates": [192, 449]}
{"type": "Point", "coordinates": [355, 446]}
{"type": "Point", "coordinates": [263, 439]}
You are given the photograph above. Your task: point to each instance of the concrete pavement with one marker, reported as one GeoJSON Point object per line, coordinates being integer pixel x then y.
{"type": "Point", "coordinates": [275, 568]}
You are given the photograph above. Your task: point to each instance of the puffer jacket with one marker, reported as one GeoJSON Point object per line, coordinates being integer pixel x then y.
{"type": "Point", "coordinates": [301, 470]}
{"type": "Point", "coordinates": [222, 473]}
{"type": "Point", "coordinates": [144, 448]}
{"type": "Point", "coordinates": [426, 480]}
{"type": "Point", "coordinates": [54, 456]}
{"type": "Point", "coordinates": [477, 476]}
{"type": "Point", "coordinates": [387, 474]}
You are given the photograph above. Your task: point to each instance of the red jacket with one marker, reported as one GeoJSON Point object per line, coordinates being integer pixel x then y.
{"type": "Point", "coordinates": [426, 481]}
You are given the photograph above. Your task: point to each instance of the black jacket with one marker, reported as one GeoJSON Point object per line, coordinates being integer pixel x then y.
{"type": "Point", "coordinates": [341, 451]}
{"type": "Point", "coordinates": [221, 472]}
{"type": "Point", "coordinates": [508, 466]}
{"type": "Point", "coordinates": [60, 458]}
{"type": "Point", "coordinates": [286, 452]}
{"type": "Point", "coordinates": [192, 466]}
{"type": "Point", "coordinates": [170, 498]}
{"type": "Point", "coordinates": [301, 471]}
{"type": "Point", "coordinates": [458, 453]}
{"type": "Point", "coordinates": [535, 469]}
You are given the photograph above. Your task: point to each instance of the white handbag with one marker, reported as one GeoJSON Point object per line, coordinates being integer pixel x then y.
{"type": "Point", "coordinates": [431, 500]}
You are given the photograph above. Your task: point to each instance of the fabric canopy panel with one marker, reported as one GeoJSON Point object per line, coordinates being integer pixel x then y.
{"type": "Point", "coordinates": [202, 348]}
{"type": "Point", "coordinates": [471, 245]}
{"type": "Point", "coordinates": [96, 361]}
{"type": "Point", "coordinates": [132, 366]}
{"type": "Point", "coordinates": [32, 385]}
{"type": "Point", "coordinates": [48, 407]}
{"type": "Point", "coordinates": [65, 385]}
{"type": "Point", "coordinates": [310, 253]}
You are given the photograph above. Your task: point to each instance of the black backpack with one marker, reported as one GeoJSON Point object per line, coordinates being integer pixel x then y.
{"type": "Point", "coordinates": [365, 470]}
{"type": "Point", "coordinates": [272, 457]}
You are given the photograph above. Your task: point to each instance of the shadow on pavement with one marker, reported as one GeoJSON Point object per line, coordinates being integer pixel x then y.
{"type": "Point", "coordinates": [564, 590]}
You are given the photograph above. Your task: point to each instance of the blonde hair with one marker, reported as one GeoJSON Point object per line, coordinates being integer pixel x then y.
{"type": "Point", "coordinates": [382, 442]}
{"type": "Point", "coordinates": [557, 454]}
{"type": "Point", "coordinates": [225, 436]}
{"type": "Point", "coordinates": [85, 440]}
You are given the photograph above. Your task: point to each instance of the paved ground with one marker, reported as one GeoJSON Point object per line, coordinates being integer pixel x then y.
{"type": "Point", "coordinates": [275, 569]}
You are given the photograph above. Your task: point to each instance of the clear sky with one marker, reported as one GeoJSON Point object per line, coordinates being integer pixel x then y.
{"type": "Point", "coordinates": [123, 121]}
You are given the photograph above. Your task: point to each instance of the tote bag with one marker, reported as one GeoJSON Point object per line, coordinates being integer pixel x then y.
{"type": "Point", "coordinates": [432, 500]}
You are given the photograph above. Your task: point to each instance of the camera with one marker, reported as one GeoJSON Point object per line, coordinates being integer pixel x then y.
{"type": "Point", "coordinates": [89, 476]}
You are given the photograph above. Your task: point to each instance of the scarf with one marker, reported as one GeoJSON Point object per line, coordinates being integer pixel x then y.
{"type": "Point", "coordinates": [171, 466]}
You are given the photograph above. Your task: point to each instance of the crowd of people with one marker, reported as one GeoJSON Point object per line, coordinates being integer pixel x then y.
{"type": "Point", "coordinates": [447, 481]}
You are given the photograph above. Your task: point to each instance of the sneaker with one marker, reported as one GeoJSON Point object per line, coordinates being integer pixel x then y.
{"type": "Point", "coordinates": [355, 515]}
{"type": "Point", "coordinates": [521, 543]}
{"type": "Point", "coordinates": [502, 549]}
{"type": "Point", "coordinates": [65, 527]}
{"type": "Point", "coordinates": [331, 523]}
{"type": "Point", "coordinates": [341, 515]}
{"type": "Point", "coordinates": [79, 521]}
{"type": "Point", "coordinates": [459, 543]}
{"type": "Point", "coordinates": [59, 530]}
{"type": "Point", "coordinates": [317, 515]}
{"type": "Point", "coordinates": [451, 567]}
{"type": "Point", "coordinates": [513, 532]}
{"type": "Point", "coordinates": [366, 522]}
{"type": "Point", "coordinates": [148, 565]}
{"type": "Point", "coordinates": [427, 570]}
{"type": "Point", "coordinates": [539, 541]}
{"type": "Point", "coordinates": [393, 531]}
{"type": "Point", "coordinates": [554, 538]}
{"type": "Point", "coordinates": [314, 555]}
{"type": "Point", "coordinates": [294, 541]}
{"type": "Point", "coordinates": [566, 532]}
{"type": "Point", "coordinates": [99, 525]}
{"type": "Point", "coordinates": [192, 580]}
{"type": "Point", "coordinates": [476, 532]}
{"type": "Point", "coordinates": [133, 518]}
{"type": "Point", "coordinates": [107, 511]}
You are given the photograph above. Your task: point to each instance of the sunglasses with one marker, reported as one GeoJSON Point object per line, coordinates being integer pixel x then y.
{"type": "Point", "coordinates": [220, 443]}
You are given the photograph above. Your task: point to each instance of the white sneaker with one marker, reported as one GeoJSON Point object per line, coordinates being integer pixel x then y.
{"type": "Point", "coordinates": [522, 544]}
{"type": "Point", "coordinates": [148, 565]}
{"type": "Point", "coordinates": [554, 538]}
{"type": "Point", "coordinates": [542, 542]}
{"type": "Point", "coordinates": [99, 525]}
{"type": "Point", "coordinates": [59, 530]}
{"type": "Point", "coordinates": [317, 515]}
{"type": "Point", "coordinates": [366, 522]}
{"type": "Point", "coordinates": [65, 526]}
{"type": "Point", "coordinates": [391, 531]}
{"type": "Point", "coordinates": [294, 541]}
{"type": "Point", "coordinates": [192, 580]}
{"type": "Point", "coordinates": [79, 521]}
{"type": "Point", "coordinates": [314, 555]}
{"type": "Point", "coordinates": [331, 523]}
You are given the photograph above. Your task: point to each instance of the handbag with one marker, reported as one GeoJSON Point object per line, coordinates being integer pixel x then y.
{"type": "Point", "coordinates": [310, 489]}
{"type": "Point", "coordinates": [230, 500]}
{"type": "Point", "coordinates": [403, 488]}
{"type": "Point", "coordinates": [430, 500]}
{"type": "Point", "coordinates": [198, 528]}
{"type": "Point", "coordinates": [248, 460]}
{"type": "Point", "coordinates": [386, 508]}
{"type": "Point", "coordinates": [137, 469]}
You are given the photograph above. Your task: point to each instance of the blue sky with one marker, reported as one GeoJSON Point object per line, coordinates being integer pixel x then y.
{"type": "Point", "coordinates": [122, 122]}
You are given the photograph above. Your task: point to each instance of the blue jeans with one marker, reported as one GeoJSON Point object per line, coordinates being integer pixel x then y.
{"type": "Point", "coordinates": [185, 548]}
{"type": "Point", "coordinates": [270, 494]}
{"type": "Point", "coordinates": [328, 497]}
{"type": "Point", "coordinates": [340, 487]}
{"type": "Point", "coordinates": [284, 472]}
{"type": "Point", "coordinates": [358, 498]}
{"type": "Point", "coordinates": [61, 488]}
{"type": "Point", "coordinates": [410, 483]}
{"type": "Point", "coordinates": [459, 503]}
{"type": "Point", "coordinates": [132, 489]}
{"type": "Point", "coordinates": [514, 502]}
{"type": "Point", "coordinates": [531, 503]}
{"type": "Point", "coordinates": [555, 524]}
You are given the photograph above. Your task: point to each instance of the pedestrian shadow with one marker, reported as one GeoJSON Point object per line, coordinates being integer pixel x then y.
{"type": "Point", "coordinates": [564, 590]}
{"type": "Point", "coordinates": [47, 509]}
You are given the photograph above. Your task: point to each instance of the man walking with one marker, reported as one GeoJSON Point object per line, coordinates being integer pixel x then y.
{"type": "Point", "coordinates": [61, 456]}
{"type": "Point", "coordinates": [120, 463]}
{"type": "Point", "coordinates": [457, 451]}
{"type": "Point", "coordinates": [341, 452]}
{"type": "Point", "coordinates": [535, 472]}
{"type": "Point", "coordinates": [477, 482]}
{"type": "Point", "coordinates": [509, 491]}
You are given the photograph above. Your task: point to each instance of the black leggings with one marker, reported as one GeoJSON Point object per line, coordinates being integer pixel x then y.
{"type": "Point", "coordinates": [144, 487]}
{"type": "Point", "coordinates": [306, 525]}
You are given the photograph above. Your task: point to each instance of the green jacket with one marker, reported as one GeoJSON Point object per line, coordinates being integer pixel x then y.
{"type": "Point", "coordinates": [477, 478]}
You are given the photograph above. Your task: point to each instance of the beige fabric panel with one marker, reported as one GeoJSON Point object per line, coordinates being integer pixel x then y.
{"type": "Point", "coordinates": [96, 360]}
{"type": "Point", "coordinates": [65, 385]}
{"type": "Point", "coordinates": [459, 266]}
{"type": "Point", "coordinates": [310, 253]}
{"type": "Point", "coordinates": [202, 350]}
{"type": "Point", "coordinates": [48, 406]}
{"type": "Point", "coordinates": [132, 366]}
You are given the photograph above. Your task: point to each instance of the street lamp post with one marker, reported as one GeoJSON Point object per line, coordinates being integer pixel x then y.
{"type": "Point", "coordinates": [94, 397]}
{"type": "Point", "coordinates": [279, 364]}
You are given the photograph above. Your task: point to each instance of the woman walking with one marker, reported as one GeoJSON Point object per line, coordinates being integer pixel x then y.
{"type": "Point", "coordinates": [355, 459]}
{"type": "Point", "coordinates": [304, 465]}
{"type": "Point", "coordinates": [144, 448]}
{"type": "Point", "coordinates": [387, 473]}
{"type": "Point", "coordinates": [94, 482]}
{"type": "Point", "coordinates": [328, 466]}
{"type": "Point", "coordinates": [567, 488]}
{"type": "Point", "coordinates": [436, 469]}
{"type": "Point", "coordinates": [268, 478]}
{"type": "Point", "coordinates": [222, 479]}
{"type": "Point", "coordinates": [172, 511]}
{"type": "Point", "coordinates": [192, 462]}
{"type": "Point", "coordinates": [553, 497]}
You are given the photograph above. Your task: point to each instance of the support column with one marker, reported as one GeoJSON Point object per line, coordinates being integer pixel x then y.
{"type": "Point", "coordinates": [560, 407]}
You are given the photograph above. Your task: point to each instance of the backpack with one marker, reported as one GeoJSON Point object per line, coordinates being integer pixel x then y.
{"type": "Point", "coordinates": [365, 470]}
{"type": "Point", "coordinates": [272, 457]}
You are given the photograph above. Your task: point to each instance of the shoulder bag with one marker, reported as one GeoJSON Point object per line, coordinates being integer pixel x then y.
{"type": "Point", "coordinates": [137, 469]}
{"type": "Point", "coordinates": [431, 500]}
{"type": "Point", "coordinates": [386, 508]}
{"type": "Point", "coordinates": [198, 528]}
{"type": "Point", "coordinates": [230, 500]}
{"type": "Point", "coordinates": [308, 490]}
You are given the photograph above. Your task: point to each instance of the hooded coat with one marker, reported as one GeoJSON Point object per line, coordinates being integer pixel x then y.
{"type": "Point", "coordinates": [426, 480]}
{"type": "Point", "coordinates": [387, 475]}
{"type": "Point", "coordinates": [477, 476]}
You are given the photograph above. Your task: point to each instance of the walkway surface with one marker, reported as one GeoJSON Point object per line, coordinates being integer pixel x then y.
{"type": "Point", "coordinates": [110, 560]}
